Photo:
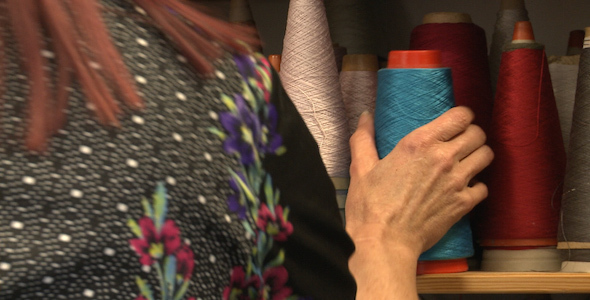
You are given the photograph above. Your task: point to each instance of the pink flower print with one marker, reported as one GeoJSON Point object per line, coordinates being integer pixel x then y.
{"type": "Point", "coordinates": [185, 262]}
{"type": "Point", "coordinates": [239, 286]}
{"type": "Point", "coordinates": [265, 91]}
{"type": "Point", "coordinates": [170, 235]}
{"type": "Point", "coordinates": [141, 297]}
{"type": "Point", "coordinates": [274, 284]}
{"type": "Point", "coordinates": [274, 224]}
{"type": "Point", "coordinates": [144, 246]}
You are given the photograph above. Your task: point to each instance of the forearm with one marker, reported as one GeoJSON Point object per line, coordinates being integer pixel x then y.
{"type": "Point", "coordinates": [383, 271]}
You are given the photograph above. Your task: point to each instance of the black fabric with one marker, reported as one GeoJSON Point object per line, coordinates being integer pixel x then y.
{"type": "Point", "coordinates": [318, 250]}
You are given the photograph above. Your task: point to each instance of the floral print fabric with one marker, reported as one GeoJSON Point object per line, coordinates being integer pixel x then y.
{"type": "Point", "coordinates": [159, 246]}
{"type": "Point", "coordinates": [249, 133]}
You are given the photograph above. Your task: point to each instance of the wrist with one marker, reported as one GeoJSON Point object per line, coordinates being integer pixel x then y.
{"type": "Point", "coordinates": [378, 237]}
{"type": "Point", "coordinates": [383, 270]}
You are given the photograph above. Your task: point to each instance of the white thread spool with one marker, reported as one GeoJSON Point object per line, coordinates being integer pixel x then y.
{"type": "Point", "coordinates": [358, 80]}
{"type": "Point", "coordinates": [310, 77]}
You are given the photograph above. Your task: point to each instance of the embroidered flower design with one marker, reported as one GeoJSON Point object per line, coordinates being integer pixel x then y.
{"type": "Point", "coordinates": [244, 131]}
{"type": "Point", "coordinates": [235, 201]}
{"type": "Point", "coordinates": [159, 246]}
{"type": "Point", "coordinates": [240, 287]}
{"type": "Point", "coordinates": [274, 284]}
{"type": "Point", "coordinates": [185, 262]}
{"type": "Point", "coordinates": [250, 132]}
{"type": "Point", "coordinates": [152, 244]}
{"type": "Point", "coordinates": [274, 222]}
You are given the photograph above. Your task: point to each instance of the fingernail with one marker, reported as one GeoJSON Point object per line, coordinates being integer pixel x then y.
{"type": "Point", "coordinates": [363, 117]}
{"type": "Point", "coordinates": [365, 114]}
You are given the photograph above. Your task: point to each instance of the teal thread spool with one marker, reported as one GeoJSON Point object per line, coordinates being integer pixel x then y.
{"type": "Point", "coordinates": [414, 90]}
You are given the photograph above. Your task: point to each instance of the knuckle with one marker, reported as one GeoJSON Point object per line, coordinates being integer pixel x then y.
{"type": "Point", "coordinates": [443, 160]}
{"type": "Point", "coordinates": [462, 117]}
{"type": "Point", "coordinates": [465, 204]}
{"type": "Point", "coordinates": [414, 142]}
{"type": "Point", "coordinates": [457, 182]}
{"type": "Point", "coordinates": [465, 114]}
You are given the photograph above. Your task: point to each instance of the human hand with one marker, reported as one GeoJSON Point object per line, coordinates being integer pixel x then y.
{"type": "Point", "coordinates": [415, 194]}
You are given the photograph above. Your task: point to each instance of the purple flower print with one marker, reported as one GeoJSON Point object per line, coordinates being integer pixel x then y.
{"type": "Point", "coordinates": [233, 200]}
{"type": "Point", "coordinates": [244, 131]}
{"type": "Point", "coordinates": [250, 132]}
{"type": "Point", "coordinates": [245, 65]}
{"type": "Point", "coordinates": [274, 224]}
{"type": "Point", "coordinates": [274, 138]}
{"type": "Point", "coordinates": [169, 236]}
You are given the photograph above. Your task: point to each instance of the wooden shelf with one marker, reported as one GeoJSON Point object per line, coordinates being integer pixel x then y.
{"type": "Point", "coordinates": [504, 283]}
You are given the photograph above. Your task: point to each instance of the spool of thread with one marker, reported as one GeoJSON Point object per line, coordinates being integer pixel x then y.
{"type": "Point", "coordinates": [275, 61]}
{"type": "Point", "coordinates": [564, 75]}
{"type": "Point", "coordinates": [525, 260]}
{"type": "Point", "coordinates": [358, 80]}
{"type": "Point", "coordinates": [310, 77]}
{"type": "Point", "coordinates": [574, 231]}
{"type": "Point", "coordinates": [463, 48]}
{"type": "Point", "coordinates": [575, 42]}
{"type": "Point", "coordinates": [525, 178]}
{"type": "Point", "coordinates": [511, 11]}
{"type": "Point", "coordinates": [414, 90]}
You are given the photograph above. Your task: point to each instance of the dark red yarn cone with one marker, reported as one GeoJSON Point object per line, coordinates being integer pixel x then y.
{"type": "Point", "coordinates": [463, 48]}
{"type": "Point", "coordinates": [526, 176]}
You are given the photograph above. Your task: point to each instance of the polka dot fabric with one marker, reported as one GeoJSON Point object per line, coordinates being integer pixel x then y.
{"type": "Point", "coordinates": [64, 214]}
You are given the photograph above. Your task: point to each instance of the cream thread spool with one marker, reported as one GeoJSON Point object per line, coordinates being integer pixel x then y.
{"type": "Point", "coordinates": [358, 80]}
{"type": "Point", "coordinates": [310, 77]}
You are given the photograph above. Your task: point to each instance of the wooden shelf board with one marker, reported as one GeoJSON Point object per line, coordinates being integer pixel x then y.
{"type": "Point", "coordinates": [504, 283]}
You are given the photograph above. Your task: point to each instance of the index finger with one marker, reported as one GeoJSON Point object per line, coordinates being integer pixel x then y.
{"type": "Point", "coordinates": [362, 146]}
{"type": "Point", "coordinates": [449, 124]}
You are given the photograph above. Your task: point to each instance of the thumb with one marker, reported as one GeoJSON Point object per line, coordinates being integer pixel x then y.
{"type": "Point", "coordinates": [362, 146]}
